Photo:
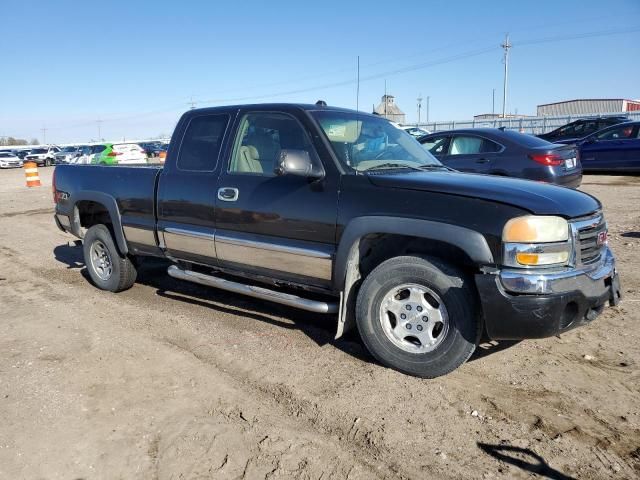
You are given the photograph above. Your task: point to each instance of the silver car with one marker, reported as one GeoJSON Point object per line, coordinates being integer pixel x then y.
{"type": "Point", "coordinates": [9, 160]}
{"type": "Point", "coordinates": [67, 154]}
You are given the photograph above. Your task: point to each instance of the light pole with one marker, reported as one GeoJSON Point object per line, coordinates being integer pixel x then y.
{"type": "Point", "coordinates": [419, 108]}
{"type": "Point", "coordinates": [506, 45]}
{"type": "Point", "coordinates": [428, 108]}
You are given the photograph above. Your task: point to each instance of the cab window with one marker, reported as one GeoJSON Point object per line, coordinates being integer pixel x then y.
{"type": "Point", "coordinates": [201, 144]}
{"type": "Point", "coordinates": [261, 136]}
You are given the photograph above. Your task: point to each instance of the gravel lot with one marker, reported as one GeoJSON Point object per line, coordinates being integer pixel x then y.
{"type": "Point", "coordinates": [171, 380]}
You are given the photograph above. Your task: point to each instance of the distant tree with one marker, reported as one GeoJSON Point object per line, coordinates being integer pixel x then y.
{"type": "Point", "coordinates": [34, 141]}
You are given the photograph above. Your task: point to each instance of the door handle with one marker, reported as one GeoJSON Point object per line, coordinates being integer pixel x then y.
{"type": "Point", "coordinates": [482, 160]}
{"type": "Point", "coordinates": [228, 194]}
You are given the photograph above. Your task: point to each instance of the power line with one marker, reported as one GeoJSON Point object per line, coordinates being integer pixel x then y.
{"type": "Point", "coordinates": [601, 33]}
{"type": "Point", "coordinates": [397, 71]}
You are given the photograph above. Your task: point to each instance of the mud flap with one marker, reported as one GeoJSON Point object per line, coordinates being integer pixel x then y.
{"type": "Point", "coordinates": [346, 318]}
{"type": "Point", "coordinates": [615, 291]}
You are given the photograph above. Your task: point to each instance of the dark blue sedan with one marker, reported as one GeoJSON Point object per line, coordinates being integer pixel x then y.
{"type": "Point", "coordinates": [614, 149]}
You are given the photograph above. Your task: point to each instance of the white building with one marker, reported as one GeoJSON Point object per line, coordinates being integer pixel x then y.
{"type": "Point", "coordinates": [588, 106]}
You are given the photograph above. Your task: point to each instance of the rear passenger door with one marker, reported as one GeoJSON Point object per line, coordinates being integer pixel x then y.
{"type": "Point", "coordinates": [472, 153]}
{"type": "Point", "coordinates": [187, 190]}
{"type": "Point", "coordinates": [282, 227]}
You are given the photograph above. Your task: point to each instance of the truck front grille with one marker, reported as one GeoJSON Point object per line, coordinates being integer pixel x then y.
{"type": "Point", "coordinates": [589, 251]}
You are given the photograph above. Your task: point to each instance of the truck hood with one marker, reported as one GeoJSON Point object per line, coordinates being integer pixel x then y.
{"type": "Point", "coordinates": [539, 198]}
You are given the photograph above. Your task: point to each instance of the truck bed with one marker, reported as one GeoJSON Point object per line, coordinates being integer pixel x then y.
{"type": "Point", "coordinates": [132, 188]}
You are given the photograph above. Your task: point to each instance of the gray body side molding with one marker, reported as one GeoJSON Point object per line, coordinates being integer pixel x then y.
{"type": "Point", "coordinates": [346, 271]}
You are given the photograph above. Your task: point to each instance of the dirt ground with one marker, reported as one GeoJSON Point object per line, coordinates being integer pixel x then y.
{"type": "Point", "coordinates": [171, 380]}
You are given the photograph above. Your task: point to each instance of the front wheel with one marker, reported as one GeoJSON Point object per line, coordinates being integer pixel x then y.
{"type": "Point", "coordinates": [108, 270]}
{"type": "Point", "coordinates": [418, 315]}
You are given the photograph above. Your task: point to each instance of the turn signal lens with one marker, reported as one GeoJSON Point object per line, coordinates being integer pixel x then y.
{"type": "Point", "coordinates": [548, 258]}
{"type": "Point", "coordinates": [536, 229]}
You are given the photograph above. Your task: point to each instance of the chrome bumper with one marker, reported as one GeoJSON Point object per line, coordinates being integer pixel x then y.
{"type": "Point", "coordinates": [589, 280]}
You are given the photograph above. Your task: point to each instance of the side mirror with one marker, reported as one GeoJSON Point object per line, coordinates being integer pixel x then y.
{"type": "Point", "coordinates": [298, 163]}
{"type": "Point", "coordinates": [590, 140]}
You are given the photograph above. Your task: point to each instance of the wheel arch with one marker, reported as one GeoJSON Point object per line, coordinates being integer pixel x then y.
{"type": "Point", "coordinates": [466, 246]}
{"type": "Point", "coordinates": [90, 207]}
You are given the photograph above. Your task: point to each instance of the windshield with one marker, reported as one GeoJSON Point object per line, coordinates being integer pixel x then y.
{"type": "Point", "coordinates": [364, 142]}
{"type": "Point", "coordinates": [69, 149]}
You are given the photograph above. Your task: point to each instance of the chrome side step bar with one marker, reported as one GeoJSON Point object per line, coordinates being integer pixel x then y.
{"type": "Point", "coordinates": [253, 291]}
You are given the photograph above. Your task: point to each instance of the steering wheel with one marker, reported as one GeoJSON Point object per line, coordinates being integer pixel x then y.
{"type": "Point", "coordinates": [386, 154]}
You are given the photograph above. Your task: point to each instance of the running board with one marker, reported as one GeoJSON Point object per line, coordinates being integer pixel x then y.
{"type": "Point", "coordinates": [253, 291]}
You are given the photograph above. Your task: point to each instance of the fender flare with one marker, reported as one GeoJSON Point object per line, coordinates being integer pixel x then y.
{"type": "Point", "coordinates": [469, 241]}
{"type": "Point", "coordinates": [108, 202]}
{"type": "Point", "coordinates": [346, 267]}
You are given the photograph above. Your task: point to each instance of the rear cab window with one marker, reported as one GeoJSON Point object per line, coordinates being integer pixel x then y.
{"type": "Point", "coordinates": [202, 142]}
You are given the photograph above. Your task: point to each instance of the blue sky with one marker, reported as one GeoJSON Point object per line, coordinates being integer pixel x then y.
{"type": "Point", "coordinates": [135, 65]}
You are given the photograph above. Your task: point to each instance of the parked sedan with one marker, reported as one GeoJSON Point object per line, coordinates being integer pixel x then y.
{"type": "Point", "coordinates": [86, 153]}
{"type": "Point", "coordinates": [120, 153]}
{"type": "Point", "coordinates": [67, 154]}
{"type": "Point", "coordinates": [616, 148]}
{"type": "Point", "coordinates": [21, 153]}
{"type": "Point", "coordinates": [579, 129]}
{"type": "Point", "coordinates": [9, 160]}
{"type": "Point", "coordinates": [152, 149]}
{"type": "Point", "coordinates": [416, 131]}
{"type": "Point", "coordinates": [495, 151]}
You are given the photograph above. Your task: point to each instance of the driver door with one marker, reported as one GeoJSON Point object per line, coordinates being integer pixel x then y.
{"type": "Point", "coordinates": [281, 227]}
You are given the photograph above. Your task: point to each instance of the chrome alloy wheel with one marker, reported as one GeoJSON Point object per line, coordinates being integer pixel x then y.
{"type": "Point", "coordinates": [414, 318]}
{"type": "Point", "coordinates": [101, 260]}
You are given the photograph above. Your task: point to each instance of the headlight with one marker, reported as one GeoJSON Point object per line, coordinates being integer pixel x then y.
{"type": "Point", "coordinates": [536, 229]}
{"type": "Point", "coordinates": [536, 241]}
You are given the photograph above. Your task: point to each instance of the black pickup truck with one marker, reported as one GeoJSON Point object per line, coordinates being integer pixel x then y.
{"type": "Point", "coordinates": [340, 212]}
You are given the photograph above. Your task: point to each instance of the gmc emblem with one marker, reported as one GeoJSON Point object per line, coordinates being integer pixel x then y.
{"type": "Point", "coordinates": [602, 239]}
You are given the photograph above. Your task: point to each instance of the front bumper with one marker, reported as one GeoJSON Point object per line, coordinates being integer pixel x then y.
{"type": "Point", "coordinates": [518, 305]}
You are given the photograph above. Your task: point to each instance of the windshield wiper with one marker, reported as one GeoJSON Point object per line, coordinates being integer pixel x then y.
{"type": "Point", "coordinates": [390, 166]}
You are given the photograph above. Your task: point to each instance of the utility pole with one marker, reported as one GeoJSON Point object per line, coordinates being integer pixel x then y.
{"type": "Point", "coordinates": [99, 122]}
{"type": "Point", "coordinates": [428, 108]}
{"type": "Point", "coordinates": [358, 84]}
{"type": "Point", "coordinates": [493, 103]}
{"type": "Point", "coordinates": [506, 45]}
{"type": "Point", "coordinates": [44, 134]}
{"type": "Point", "coordinates": [192, 103]}
{"type": "Point", "coordinates": [419, 107]}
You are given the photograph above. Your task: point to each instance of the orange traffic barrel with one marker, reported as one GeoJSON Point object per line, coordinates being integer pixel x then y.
{"type": "Point", "coordinates": [31, 171]}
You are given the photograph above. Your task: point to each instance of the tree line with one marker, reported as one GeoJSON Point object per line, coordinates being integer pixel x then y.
{"type": "Point", "coordinates": [11, 141]}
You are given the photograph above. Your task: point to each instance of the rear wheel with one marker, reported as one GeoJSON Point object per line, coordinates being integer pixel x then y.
{"type": "Point", "coordinates": [418, 315]}
{"type": "Point", "coordinates": [108, 270]}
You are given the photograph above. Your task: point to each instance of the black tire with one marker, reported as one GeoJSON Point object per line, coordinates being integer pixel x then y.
{"type": "Point", "coordinates": [47, 162]}
{"type": "Point", "coordinates": [457, 294]}
{"type": "Point", "coordinates": [121, 275]}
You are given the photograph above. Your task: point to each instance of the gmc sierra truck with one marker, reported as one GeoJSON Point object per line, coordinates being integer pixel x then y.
{"type": "Point", "coordinates": [336, 211]}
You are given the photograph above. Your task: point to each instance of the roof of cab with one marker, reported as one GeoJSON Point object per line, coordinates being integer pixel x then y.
{"type": "Point", "coordinates": [276, 107]}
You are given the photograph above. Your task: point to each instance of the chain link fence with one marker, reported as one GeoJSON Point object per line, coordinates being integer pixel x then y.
{"type": "Point", "coordinates": [532, 125]}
